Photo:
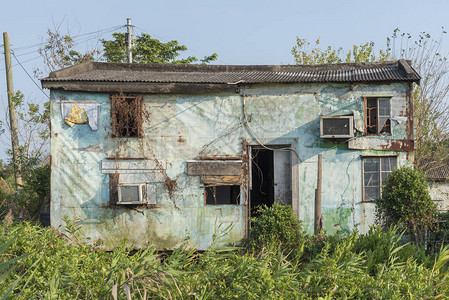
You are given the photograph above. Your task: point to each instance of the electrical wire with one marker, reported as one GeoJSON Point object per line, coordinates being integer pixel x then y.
{"type": "Point", "coordinates": [12, 52]}
{"type": "Point", "coordinates": [15, 65]}
{"type": "Point", "coordinates": [78, 42]}
{"type": "Point", "coordinates": [257, 139]}
{"type": "Point", "coordinates": [102, 31]}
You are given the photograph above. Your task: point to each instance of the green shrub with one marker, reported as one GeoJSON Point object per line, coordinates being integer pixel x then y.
{"type": "Point", "coordinates": [406, 203]}
{"type": "Point", "coordinates": [275, 225]}
{"type": "Point", "coordinates": [384, 248]}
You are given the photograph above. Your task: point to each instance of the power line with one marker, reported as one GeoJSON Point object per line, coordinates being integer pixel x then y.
{"type": "Point", "coordinates": [23, 62]}
{"type": "Point", "coordinates": [12, 52]}
{"type": "Point", "coordinates": [102, 31]}
{"type": "Point", "coordinates": [75, 44]}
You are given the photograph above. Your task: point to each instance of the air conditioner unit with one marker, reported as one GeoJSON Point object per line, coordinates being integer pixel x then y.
{"type": "Point", "coordinates": [134, 193]}
{"type": "Point", "coordinates": [337, 127]}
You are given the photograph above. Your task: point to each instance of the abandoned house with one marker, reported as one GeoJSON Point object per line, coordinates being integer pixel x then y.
{"type": "Point", "coordinates": [161, 154]}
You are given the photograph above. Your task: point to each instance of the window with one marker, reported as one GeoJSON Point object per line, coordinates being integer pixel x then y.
{"type": "Point", "coordinates": [377, 116]}
{"type": "Point", "coordinates": [126, 116]}
{"type": "Point", "coordinates": [375, 173]}
{"type": "Point", "coordinates": [222, 194]}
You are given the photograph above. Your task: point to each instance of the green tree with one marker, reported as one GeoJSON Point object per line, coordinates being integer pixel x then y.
{"type": "Point", "coordinates": [33, 122]}
{"type": "Point", "coordinates": [406, 203]}
{"type": "Point", "coordinates": [149, 50]}
{"type": "Point", "coordinates": [59, 51]}
{"type": "Point", "coordinates": [306, 54]}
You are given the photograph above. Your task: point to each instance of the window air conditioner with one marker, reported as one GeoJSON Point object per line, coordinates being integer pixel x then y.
{"type": "Point", "coordinates": [134, 193]}
{"type": "Point", "coordinates": [337, 127]}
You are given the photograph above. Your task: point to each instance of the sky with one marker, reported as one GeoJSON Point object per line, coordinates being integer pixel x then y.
{"type": "Point", "coordinates": [241, 32]}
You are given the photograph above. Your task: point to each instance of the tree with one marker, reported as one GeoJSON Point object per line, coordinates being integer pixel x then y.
{"type": "Point", "coordinates": [406, 203]}
{"type": "Point", "coordinates": [59, 52]}
{"type": "Point", "coordinates": [33, 149]}
{"type": "Point", "coordinates": [431, 105]}
{"type": "Point", "coordinates": [303, 55]}
{"type": "Point", "coordinates": [431, 96]}
{"type": "Point", "coordinates": [149, 50]}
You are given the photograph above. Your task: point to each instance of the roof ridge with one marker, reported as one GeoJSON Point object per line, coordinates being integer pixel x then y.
{"type": "Point", "coordinates": [103, 73]}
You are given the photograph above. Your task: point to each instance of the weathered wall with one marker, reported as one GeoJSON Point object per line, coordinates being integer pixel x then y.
{"type": "Point", "coordinates": [183, 127]}
{"type": "Point", "coordinates": [439, 192]}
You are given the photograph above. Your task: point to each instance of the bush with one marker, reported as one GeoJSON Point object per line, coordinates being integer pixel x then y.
{"type": "Point", "coordinates": [275, 225]}
{"type": "Point", "coordinates": [406, 203]}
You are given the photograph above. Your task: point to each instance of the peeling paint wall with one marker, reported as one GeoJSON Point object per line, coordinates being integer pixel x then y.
{"type": "Point", "coordinates": [185, 127]}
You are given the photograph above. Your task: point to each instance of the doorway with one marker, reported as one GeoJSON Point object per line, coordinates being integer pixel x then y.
{"type": "Point", "coordinates": [270, 177]}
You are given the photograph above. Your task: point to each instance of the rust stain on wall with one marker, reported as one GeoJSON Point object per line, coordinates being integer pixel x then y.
{"type": "Point", "coordinates": [399, 145]}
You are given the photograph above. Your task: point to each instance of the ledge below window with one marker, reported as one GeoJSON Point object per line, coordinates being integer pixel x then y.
{"type": "Point", "coordinates": [369, 143]}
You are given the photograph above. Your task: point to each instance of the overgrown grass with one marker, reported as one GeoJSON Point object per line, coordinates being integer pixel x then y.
{"type": "Point", "coordinates": [375, 265]}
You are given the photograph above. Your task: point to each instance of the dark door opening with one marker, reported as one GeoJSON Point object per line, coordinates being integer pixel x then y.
{"type": "Point", "coordinates": [270, 178]}
{"type": "Point", "coordinates": [262, 187]}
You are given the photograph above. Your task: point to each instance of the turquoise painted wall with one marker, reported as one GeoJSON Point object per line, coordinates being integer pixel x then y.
{"type": "Point", "coordinates": [178, 128]}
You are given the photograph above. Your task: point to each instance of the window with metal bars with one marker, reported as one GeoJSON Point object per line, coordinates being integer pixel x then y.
{"type": "Point", "coordinates": [126, 116]}
{"type": "Point", "coordinates": [375, 172]}
{"type": "Point", "coordinates": [377, 115]}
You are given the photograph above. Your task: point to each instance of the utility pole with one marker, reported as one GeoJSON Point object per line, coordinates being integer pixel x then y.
{"type": "Point", "coordinates": [12, 111]}
{"type": "Point", "coordinates": [318, 219]}
{"type": "Point", "coordinates": [129, 40]}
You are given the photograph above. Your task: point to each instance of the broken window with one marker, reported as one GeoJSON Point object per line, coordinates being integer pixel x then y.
{"type": "Point", "coordinates": [377, 116]}
{"type": "Point", "coordinates": [222, 194]}
{"type": "Point", "coordinates": [126, 116]}
{"type": "Point", "coordinates": [375, 172]}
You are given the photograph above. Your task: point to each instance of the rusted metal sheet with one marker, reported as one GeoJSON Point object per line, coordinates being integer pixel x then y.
{"type": "Point", "coordinates": [371, 143]}
{"type": "Point", "coordinates": [214, 167]}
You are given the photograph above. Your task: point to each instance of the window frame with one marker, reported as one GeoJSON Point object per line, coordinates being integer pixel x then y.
{"type": "Point", "coordinates": [368, 120]}
{"type": "Point", "coordinates": [379, 158]}
{"type": "Point", "coordinates": [138, 114]}
{"type": "Point", "coordinates": [215, 186]}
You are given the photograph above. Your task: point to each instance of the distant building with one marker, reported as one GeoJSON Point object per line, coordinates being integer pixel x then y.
{"type": "Point", "coordinates": [438, 183]}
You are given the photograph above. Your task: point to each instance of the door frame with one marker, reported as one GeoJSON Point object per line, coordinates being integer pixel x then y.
{"type": "Point", "coordinates": [288, 142]}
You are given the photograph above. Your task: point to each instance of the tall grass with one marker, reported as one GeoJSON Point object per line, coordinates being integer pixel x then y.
{"type": "Point", "coordinates": [375, 265]}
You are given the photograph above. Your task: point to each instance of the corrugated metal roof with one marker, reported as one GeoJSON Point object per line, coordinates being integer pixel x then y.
{"type": "Point", "coordinates": [438, 171]}
{"type": "Point", "coordinates": [212, 74]}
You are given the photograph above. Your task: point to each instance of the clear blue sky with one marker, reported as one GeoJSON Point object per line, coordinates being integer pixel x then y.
{"type": "Point", "coordinates": [241, 32]}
